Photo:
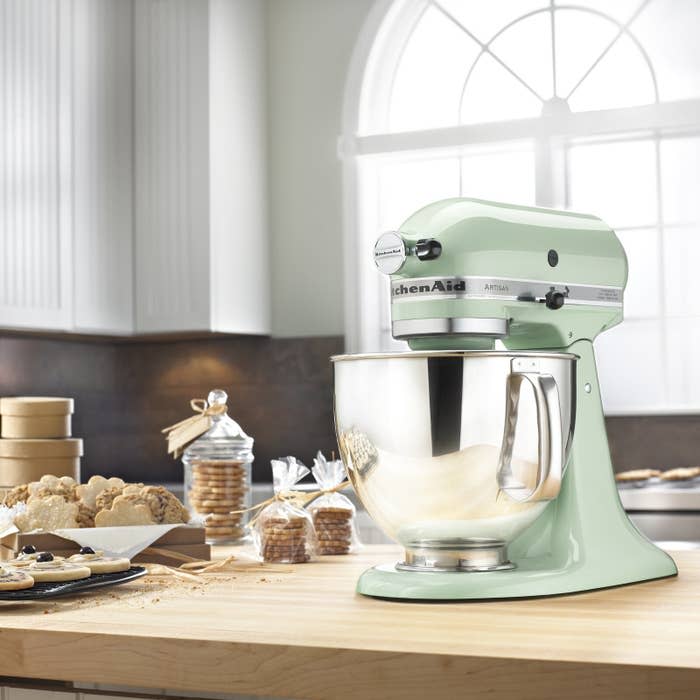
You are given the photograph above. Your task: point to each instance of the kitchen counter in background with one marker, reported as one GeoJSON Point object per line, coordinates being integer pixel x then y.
{"type": "Point", "coordinates": [666, 513]}
{"type": "Point", "coordinates": [302, 632]}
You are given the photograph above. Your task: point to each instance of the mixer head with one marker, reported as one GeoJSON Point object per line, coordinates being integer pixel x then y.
{"type": "Point", "coordinates": [465, 272]}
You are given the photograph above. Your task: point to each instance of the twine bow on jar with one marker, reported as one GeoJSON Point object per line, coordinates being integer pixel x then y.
{"type": "Point", "coordinates": [182, 433]}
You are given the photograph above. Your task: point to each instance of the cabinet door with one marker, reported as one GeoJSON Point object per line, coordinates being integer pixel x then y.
{"type": "Point", "coordinates": [102, 166]}
{"type": "Point", "coordinates": [171, 96]}
{"type": "Point", "coordinates": [35, 201]}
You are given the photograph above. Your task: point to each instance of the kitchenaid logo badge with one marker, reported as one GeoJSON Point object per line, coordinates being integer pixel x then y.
{"type": "Point", "coordinates": [401, 289]}
{"type": "Point", "coordinates": [447, 286]}
{"type": "Point", "coordinates": [383, 252]}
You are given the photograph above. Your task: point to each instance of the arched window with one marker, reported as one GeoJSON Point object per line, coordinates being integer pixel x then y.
{"type": "Point", "coordinates": [588, 105]}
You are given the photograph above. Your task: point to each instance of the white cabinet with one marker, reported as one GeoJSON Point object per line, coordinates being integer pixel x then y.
{"type": "Point", "coordinates": [200, 187]}
{"type": "Point", "coordinates": [102, 166]}
{"type": "Point", "coordinates": [132, 158]}
{"type": "Point", "coordinates": [35, 202]}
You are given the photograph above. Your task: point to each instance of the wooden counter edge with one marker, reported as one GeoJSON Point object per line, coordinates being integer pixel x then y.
{"type": "Point", "coordinates": [320, 673]}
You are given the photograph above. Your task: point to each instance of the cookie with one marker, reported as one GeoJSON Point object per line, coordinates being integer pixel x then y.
{"type": "Point", "coordinates": [680, 474]}
{"type": "Point", "coordinates": [325, 527]}
{"type": "Point", "coordinates": [216, 519]}
{"type": "Point", "coordinates": [297, 536]}
{"type": "Point", "coordinates": [224, 517]}
{"type": "Point", "coordinates": [288, 522]}
{"type": "Point", "coordinates": [54, 571]}
{"type": "Point", "coordinates": [104, 500]}
{"type": "Point", "coordinates": [332, 520]}
{"type": "Point", "coordinates": [202, 505]}
{"type": "Point", "coordinates": [86, 515]}
{"type": "Point", "coordinates": [333, 510]}
{"type": "Point", "coordinates": [89, 492]}
{"type": "Point", "coordinates": [218, 479]}
{"type": "Point", "coordinates": [47, 513]}
{"type": "Point", "coordinates": [124, 512]}
{"type": "Point", "coordinates": [19, 494]}
{"type": "Point", "coordinates": [236, 493]}
{"type": "Point", "coordinates": [50, 485]}
{"type": "Point", "coordinates": [333, 543]}
{"type": "Point", "coordinates": [216, 487]}
{"type": "Point", "coordinates": [215, 510]}
{"type": "Point", "coordinates": [165, 506]}
{"type": "Point", "coordinates": [12, 579]}
{"type": "Point", "coordinates": [216, 531]}
{"type": "Point", "coordinates": [216, 468]}
{"type": "Point", "coordinates": [98, 563]}
{"type": "Point", "coordinates": [637, 474]}
{"type": "Point", "coordinates": [323, 515]}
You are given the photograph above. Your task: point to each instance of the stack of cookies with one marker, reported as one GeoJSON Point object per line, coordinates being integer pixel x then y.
{"type": "Point", "coordinates": [283, 538]}
{"type": "Point", "coordinates": [333, 527]}
{"type": "Point", "coordinates": [215, 489]}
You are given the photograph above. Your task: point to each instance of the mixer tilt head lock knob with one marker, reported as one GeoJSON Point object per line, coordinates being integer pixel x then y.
{"type": "Point", "coordinates": [554, 300]}
{"type": "Point", "coordinates": [428, 249]}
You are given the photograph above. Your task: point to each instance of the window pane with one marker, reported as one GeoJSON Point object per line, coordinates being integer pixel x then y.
{"type": "Point", "coordinates": [620, 10]}
{"type": "Point", "coordinates": [621, 79]}
{"type": "Point", "coordinates": [580, 38]}
{"type": "Point", "coordinates": [681, 259]}
{"type": "Point", "coordinates": [526, 48]}
{"type": "Point", "coordinates": [630, 360]}
{"type": "Point", "coordinates": [431, 75]}
{"type": "Point", "coordinates": [668, 30]}
{"type": "Point", "coordinates": [406, 185]}
{"type": "Point", "coordinates": [504, 174]}
{"type": "Point", "coordinates": [680, 177]}
{"type": "Point", "coordinates": [485, 17]}
{"type": "Point", "coordinates": [642, 294]}
{"type": "Point", "coordinates": [683, 367]}
{"type": "Point", "coordinates": [616, 181]}
{"type": "Point", "coordinates": [493, 94]}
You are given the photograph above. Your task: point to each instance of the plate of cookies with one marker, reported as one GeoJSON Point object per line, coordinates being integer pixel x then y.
{"type": "Point", "coordinates": [34, 575]}
{"type": "Point", "coordinates": [105, 513]}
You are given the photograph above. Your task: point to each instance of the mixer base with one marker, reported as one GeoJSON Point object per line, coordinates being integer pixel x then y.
{"type": "Point", "coordinates": [388, 581]}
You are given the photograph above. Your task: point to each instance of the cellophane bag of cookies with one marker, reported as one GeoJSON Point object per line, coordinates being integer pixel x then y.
{"type": "Point", "coordinates": [283, 532]}
{"type": "Point", "coordinates": [333, 514]}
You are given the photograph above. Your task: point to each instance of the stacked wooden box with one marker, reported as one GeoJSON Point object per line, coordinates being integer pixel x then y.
{"type": "Point", "coordinates": [35, 439]}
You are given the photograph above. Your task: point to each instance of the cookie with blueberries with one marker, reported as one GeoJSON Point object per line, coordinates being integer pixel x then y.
{"type": "Point", "coordinates": [98, 563]}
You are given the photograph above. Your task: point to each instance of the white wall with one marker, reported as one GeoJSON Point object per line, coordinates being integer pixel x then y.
{"type": "Point", "coordinates": [237, 172]}
{"type": "Point", "coordinates": [310, 43]}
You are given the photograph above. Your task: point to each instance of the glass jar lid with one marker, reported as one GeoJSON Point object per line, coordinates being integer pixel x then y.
{"type": "Point", "coordinates": [224, 438]}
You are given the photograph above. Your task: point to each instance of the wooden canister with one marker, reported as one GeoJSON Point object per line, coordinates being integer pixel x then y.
{"type": "Point", "coordinates": [22, 461]}
{"type": "Point", "coordinates": [35, 417]}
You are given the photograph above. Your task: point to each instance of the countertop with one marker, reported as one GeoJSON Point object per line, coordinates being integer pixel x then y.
{"type": "Point", "coordinates": [301, 631]}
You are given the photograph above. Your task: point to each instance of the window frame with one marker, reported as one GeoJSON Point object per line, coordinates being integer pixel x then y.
{"type": "Point", "coordinates": [385, 32]}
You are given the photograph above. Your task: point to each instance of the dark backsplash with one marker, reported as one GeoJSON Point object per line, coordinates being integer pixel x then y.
{"type": "Point", "coordinates": [126, 391]}
{"type": "Point", "coordinates": [279, 391]}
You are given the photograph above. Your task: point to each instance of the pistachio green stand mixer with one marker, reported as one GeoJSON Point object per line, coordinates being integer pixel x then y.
{"type": "Point", "coordinates": [483, 449]}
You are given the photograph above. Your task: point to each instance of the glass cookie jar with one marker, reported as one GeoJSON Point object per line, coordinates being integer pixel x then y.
{"type": "Point", "coordinates": [218, 475]}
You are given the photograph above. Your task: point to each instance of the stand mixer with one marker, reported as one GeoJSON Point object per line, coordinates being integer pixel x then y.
{"type": "Point", "coordinates": [483, 449]}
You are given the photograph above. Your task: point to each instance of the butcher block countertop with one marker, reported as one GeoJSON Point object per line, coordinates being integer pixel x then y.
{"type": "Point", "coordinates": [302, 632]}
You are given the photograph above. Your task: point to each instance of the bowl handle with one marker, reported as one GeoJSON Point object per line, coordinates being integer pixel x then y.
{"type": "Point", "coordinates": [550, 453]}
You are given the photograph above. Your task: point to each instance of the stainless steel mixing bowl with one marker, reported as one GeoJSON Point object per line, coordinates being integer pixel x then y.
{"type": "Point", "coordinates": [454, 454]}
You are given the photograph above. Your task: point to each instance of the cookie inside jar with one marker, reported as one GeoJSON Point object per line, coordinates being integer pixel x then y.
{"type": "Point", "coordinates": [218, 476]}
